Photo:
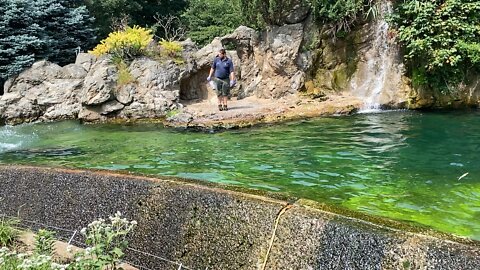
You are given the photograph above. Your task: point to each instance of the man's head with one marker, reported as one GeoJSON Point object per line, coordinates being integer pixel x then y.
{"type": "Point", "coordinates": [222, 53]}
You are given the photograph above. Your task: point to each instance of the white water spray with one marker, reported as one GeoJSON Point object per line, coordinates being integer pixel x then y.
{"type": "Point", "coordinates": [378, 70]}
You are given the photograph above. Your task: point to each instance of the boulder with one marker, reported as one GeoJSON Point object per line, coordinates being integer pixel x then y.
{"type": "Point", "coordinates": [111, 106]}
{"type": "Point", "coordinates": [45, 88]}
{"type": "Point", "coordinates": [85, 60]}
{"type": "Point", "coordinates": [124, 94]}
{"type": "Point", "coordinates": [299, 13]}
{"type": "Point", "coordinates": [99, 83]}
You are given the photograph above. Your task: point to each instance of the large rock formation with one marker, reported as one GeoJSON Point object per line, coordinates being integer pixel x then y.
{"type": "Point", "coordinates": [296, 55]}
{"type": "Point", "coordinates": [89, 90]}
{"type": "Point", "coordinates": [45, 91]}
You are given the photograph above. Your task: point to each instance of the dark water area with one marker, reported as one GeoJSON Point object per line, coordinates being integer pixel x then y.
{"type": "Point", "coordinates": [421, 167]}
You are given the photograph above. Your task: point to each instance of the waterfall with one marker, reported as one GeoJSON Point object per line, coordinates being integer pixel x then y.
{"type": "Point", "coordinates": [378, 70]}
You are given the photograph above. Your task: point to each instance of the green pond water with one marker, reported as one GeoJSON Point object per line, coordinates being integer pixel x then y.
{"type": "Point", "coordinates": [401, 165]}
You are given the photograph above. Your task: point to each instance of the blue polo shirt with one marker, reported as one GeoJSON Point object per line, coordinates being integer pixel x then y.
{"type": "Point", "coordinates": [223, 67]}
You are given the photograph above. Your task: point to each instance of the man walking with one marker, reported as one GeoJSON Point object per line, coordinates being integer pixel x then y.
{"type": "Point", "coordinates": [222, 66]}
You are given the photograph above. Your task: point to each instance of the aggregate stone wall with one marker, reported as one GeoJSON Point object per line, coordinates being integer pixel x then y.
{"type": "Point", "coordinates": [208, 227]}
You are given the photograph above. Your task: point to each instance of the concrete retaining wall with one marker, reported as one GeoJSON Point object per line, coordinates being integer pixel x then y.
{"type": "Point", "coordinates": [204, 227]}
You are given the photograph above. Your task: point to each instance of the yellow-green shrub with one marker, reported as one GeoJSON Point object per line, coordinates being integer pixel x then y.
{"type": "Point", "coordinates": [171, 49]}
{"type": "Point", "coordinates": [125, 44]}
{"type": "Point", "coordinates": [124, 76]}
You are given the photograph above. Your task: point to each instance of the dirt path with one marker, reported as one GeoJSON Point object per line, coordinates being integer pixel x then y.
{"type": "Point", "coordinates": [252, 111]}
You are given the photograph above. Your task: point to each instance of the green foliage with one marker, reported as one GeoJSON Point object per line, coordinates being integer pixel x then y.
{"type": "Point", "coordinates": [260, 13]}
{"type": "Point", "coordinates": [8, 232]}
{"type": "Point", "coordinates": [341, 15]}
{"type": "Point", "coordinates": [106, 242]}
{"type": "Point", "coordinates": [31, 30]}
{"type": "Point", "coordinates": [124, 75]}
{"type": "Point", "coordinates": [206, 19]}
{"type": "Point", "coordinates": [173, 113]}
{"type": "Point", "coordinates": [41, 259]}
{"type": "Point", "coordinates": [441, 40]}
{"type": "Point", "coordinates": [8, 259]}
{"type": "Point", "coordinates": [140, 12]}
{"type": "Point", "coordinates": [44, 242]}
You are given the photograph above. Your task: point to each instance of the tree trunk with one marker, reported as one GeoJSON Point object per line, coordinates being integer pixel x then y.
{"type": "Point", "coordinates": [2, 82]}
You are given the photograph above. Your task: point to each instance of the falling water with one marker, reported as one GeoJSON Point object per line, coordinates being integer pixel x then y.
{"type": "Point", "coordinates": [378, 66]}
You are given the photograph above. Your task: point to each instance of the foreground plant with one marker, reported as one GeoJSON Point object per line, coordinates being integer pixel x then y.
{"type": "Point", "coordinates": [106, 241]}
{"type": "Point", "coordinates": [44, 242]}
{"type": "Point", "coordinates": [8, 233]}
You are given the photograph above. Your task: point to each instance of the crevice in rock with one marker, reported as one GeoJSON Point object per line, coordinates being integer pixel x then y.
{"type": "Point", "coordinates": [195, 87]}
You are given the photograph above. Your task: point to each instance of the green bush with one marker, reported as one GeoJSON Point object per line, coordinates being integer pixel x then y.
{"type": "Point", "coordinates": [441, 40]}
{"type": "Point", "coordinates": [8, 232]}
{"type": "Point", "coordinates": [341, 15]}
{"type": "Point", "coordinates": [106, 241]}
{"type": "Point", "coordinates": [44, 242]}
{"type": "Point", "coordinates": [206, 19]}
{"type": "Point", "coordinates": [138, 12]}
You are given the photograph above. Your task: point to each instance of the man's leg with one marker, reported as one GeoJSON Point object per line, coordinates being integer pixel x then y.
{"type": "Point", "coordinates": [226, 93]}
{"type": "Point", "coordinates": [219, 91]}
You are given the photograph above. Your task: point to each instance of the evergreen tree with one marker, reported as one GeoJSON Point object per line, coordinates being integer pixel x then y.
{"type": "Point", "coordinates": [68, 27]}
{"type": "Point", "coordinates": [31, 30]}
{"type": "Point", "coordinates": [20, 37]}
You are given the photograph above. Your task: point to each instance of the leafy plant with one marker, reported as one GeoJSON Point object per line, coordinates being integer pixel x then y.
{"type": "Point", "coordinates": [44, 243]}
{"type": "Point", "coordinates": [171, 49]}
{"type": "Point", "coordinates": [106, 241]}
{"type": "Point", "coordinates": [126, 44]}
{"type": "Point", "coordinates": [8, 259]}
{"type": "Point", "coordinates": [172, 113]}
{"type": "Point", "coordinates": [206, 19]}
{"type": "Point", "coordinates": [441, 40]}
{"type": "Point", "coordinates": [124, 75]}
{"type": "Point", "coordinates": [8, 232]}
{"type": "Point", "coordinates": [341, 15]}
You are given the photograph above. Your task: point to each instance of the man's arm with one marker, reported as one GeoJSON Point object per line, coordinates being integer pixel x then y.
{"type": "Point", "coordinates": [211, 73]}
